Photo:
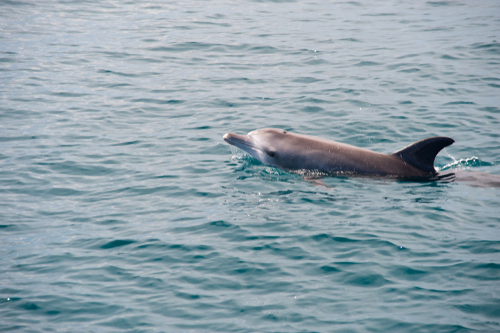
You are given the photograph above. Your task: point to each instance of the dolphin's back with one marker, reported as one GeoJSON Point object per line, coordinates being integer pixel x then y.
{"type": "Point", "coordinates": [414, 160]}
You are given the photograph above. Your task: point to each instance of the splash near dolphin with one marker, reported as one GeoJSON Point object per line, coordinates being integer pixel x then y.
{"type": "Point", "coordinates": [297, 152]}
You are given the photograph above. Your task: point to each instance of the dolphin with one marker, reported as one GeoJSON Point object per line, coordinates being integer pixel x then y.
{"type": "Point", "coordinates": [303, 153]}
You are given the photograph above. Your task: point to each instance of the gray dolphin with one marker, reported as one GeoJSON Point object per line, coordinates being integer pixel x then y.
{"type": "Point", "coordinates": [297, 152]}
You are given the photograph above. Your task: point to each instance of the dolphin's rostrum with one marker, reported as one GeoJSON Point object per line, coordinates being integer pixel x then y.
{"type": "Point", "coordinates": [297, 152]}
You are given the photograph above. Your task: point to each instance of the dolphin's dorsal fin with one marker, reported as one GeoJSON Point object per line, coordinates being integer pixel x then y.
{"type": "Point", "coordinates": [421, 154]}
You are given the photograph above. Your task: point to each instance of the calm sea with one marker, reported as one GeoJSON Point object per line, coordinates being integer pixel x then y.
{"type": "Point", "coordinates": [122, 209]}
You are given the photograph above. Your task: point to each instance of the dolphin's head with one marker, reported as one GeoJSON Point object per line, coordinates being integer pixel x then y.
{"type": "Point", "coordinates": [261, 144]}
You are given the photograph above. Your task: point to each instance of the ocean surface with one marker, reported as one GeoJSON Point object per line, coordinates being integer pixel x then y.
{"type": "Point", "coordinates": [122, 209]}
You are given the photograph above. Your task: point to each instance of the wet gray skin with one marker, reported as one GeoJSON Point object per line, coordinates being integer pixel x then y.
{"type": "Point", "coordinates": [297, 152]}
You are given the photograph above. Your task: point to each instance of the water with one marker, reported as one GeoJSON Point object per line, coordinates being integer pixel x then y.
{"type": "Point", "coordinates": [122, 209]}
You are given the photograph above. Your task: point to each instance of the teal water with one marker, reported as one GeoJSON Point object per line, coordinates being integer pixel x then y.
{"type": "Point", "coordinates": [122, 209]}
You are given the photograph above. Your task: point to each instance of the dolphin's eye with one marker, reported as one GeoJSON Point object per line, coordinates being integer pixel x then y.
{"type": "Point", "coordinates": [284, 132]}
{"type": "Point", "coordinates": [270, 153]}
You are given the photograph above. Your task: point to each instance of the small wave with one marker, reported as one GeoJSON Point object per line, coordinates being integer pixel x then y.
{"type": "Point", "coordinates": [237, 153]}
{"type": "Point", "coordinates": [465, 163]}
